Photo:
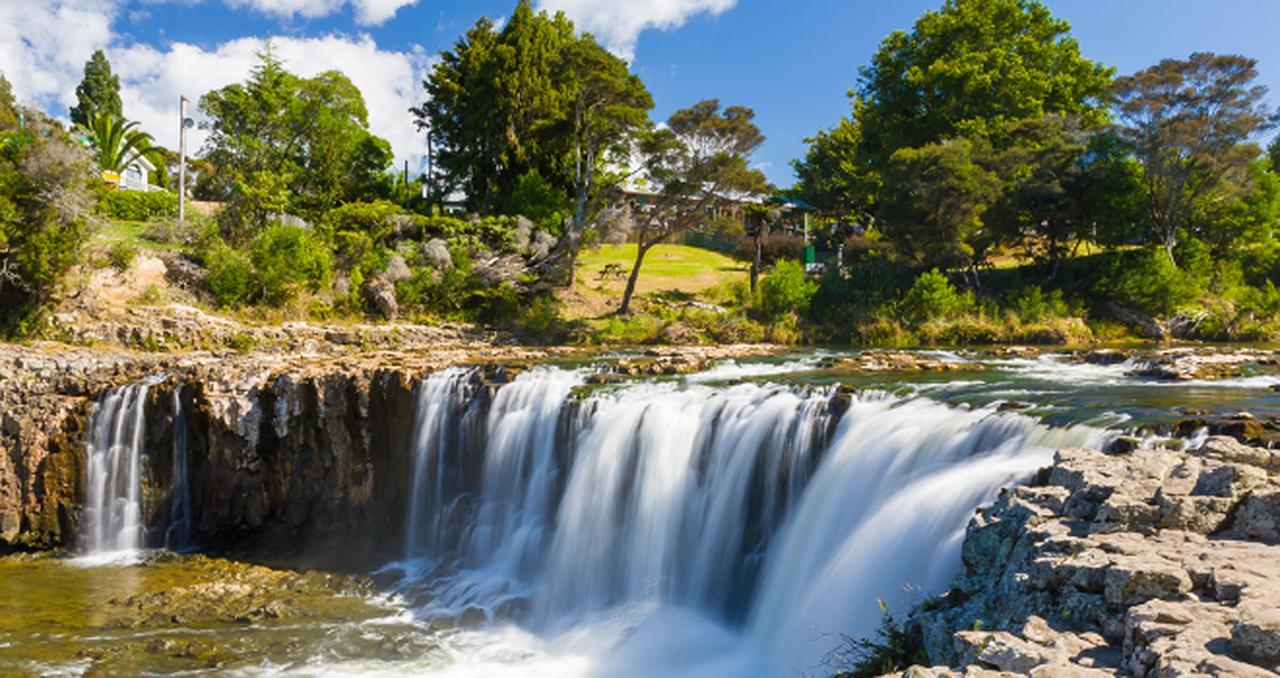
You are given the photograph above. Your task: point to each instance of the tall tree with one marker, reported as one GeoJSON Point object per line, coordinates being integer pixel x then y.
{"type": "Point", "coordinates": [498, 107]}
{"type": "Point", "coordinates": [98, 92]}
{"type": "Point", "coordinates": [608, 110]}
{"type": "Point", "coordinates": [830, 176]}
{"type": "Point", "coordinates": [279, 142]}
{"type": "Point", "coordinates": [698, 162]}
{"type": "Point", "coordinates": [974, 68]}
{"type": "Point", "coordinates": [932, 205]}
{"type": "Point", "coordinates": [1063, 184]}
{"type": "Point", "coordinates": [1191, 122]}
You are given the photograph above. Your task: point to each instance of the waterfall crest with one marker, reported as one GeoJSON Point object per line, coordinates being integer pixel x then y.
{"type": "Point", "coordinates": [777, 514]}
{"type": "Point", "coordinates": [113, 512]}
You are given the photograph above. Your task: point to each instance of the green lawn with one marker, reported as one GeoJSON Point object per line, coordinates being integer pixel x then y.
{"type": "Point", "coordinates": [692, 271]}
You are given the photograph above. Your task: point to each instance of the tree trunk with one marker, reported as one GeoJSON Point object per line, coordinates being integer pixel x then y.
{"type": "Point", "coordinates": [1171, 242]}
{"type": "Point", "coordinates": [755, 265]}
{"type": "Point", "coordinates": [625, 308]}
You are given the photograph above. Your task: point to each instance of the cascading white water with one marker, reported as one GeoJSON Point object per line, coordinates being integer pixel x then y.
{"type": "Point", "coordinates": [112, 521]}
{"type": "Point", "coordinates": [178, 535]}
{"type": "Point", "coordinates": [440, 421]}
{"type": "Point", "coordinates": [752, 510]}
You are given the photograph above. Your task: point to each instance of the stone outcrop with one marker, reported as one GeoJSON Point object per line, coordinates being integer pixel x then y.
{"type": "Point", "coordinates": [1150, 563]}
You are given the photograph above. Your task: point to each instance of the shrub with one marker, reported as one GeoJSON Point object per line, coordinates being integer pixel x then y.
{"type": "Point", "coordinates": [933, 297]}
{"type": "Point", "coordinates": [230, 273]}
{"type": "Point", "coordinates": [786, 290]}
{"type": "Point", "coordinates": [287, 259]}
{"type": "Point", "coordinates": [1032, 304]}
{"type": "Point", "coordinates": [139, 205]}
{"type": "Point", "coordinates": [1148, 281]}
{"type": "Point", "coordinates": [773, 249]}
{"type": "Point", "coordinates": [539, 201]}
{"type": "Point", "coordinates": [378, 220]}
{"type": "Point", "coordinates": [121, 256]}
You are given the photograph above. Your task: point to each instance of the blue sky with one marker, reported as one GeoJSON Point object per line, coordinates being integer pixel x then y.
{"type": "Point", "coordinates": [791, 61]}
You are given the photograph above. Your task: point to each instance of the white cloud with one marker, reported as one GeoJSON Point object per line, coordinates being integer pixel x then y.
{"type": "Point", "coordinates": [618, 23]}
{"type": "Point", "coordinates": [43, 50]}
{"type": "Point", "coordinates": [43, 47]}
{"type": "Point", "coordinates": [367, 12]}
{"type": "Point", "coordinates": [391, 82]}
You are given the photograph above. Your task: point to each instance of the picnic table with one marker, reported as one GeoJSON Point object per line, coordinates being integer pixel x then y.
{"type": "Point", "coordinates": [610, 271]}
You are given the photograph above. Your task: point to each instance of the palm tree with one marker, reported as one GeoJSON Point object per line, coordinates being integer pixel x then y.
{"type": "Point", "coordinates": [116, 142]}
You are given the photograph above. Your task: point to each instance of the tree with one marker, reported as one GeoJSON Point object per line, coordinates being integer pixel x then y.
{"type": "Point", "coordinates": [698, 163]}
{"type": "Point", "coordinates": [117, 143]}
{"type": "Point", "coordinates": [932, 205]}
{"type": "Point", "coordinates": [973, 68]}
{"type": "Point", "coordinates": [609, 108]}
{"type": "Point", "coordinates": [1190, 122]}
{"type": "Point", "coordinates": [98, 92]}
{"type": "Point", "coordinates": [45, 201]}
{"type": "Point", "coordinates": [498, 106]}
{"type": "Point", "coordinates": [282, 143]}
{"type": "Point", "coordinates": [830, 176]}
{"type": "Point", "coordinates": [1063, 184]}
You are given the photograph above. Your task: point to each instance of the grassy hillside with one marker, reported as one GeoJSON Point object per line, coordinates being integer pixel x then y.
{"type": "Point", "coordinates": [687, 272]}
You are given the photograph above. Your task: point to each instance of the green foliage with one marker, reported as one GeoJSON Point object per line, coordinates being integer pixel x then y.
{"type": "Point", "coordinates": [1148, 281]}
{"type": "Point", "coordinates": [45, 198]}
{"type": "Point", "coordinates": [230, 273]}
{"type": "Point", "coordinates": [286, 261]}
{"type": "Point", "coordinates": [98, 92]}
{"type": "Point", "coordinates": [539, 201]}
{"type": "Point", "coordinates": [279, 143]}
{"type": "Point", "coordinates": [894, 648]}
{"type": "Point", "coordinates": [139, 205]}
{"type": "Point", "coordinates": [117, 143]}
{"type": "Point", "coordinates": [1191, 122]}
{"type": "Point", "coordinates": [933, 297]}
{"type": "Point", "coordinates": [1032, 304]}
{"type": "Point", "coordinates": [786, 290]}
{"type": "Point", "coordinates": [972, 69]}
{"type": "Point", "coordinates": [379, 220]}
{"type": "Point", "coordinates": [121, 256]}
{"type": "Point", "coordinates": [932, 204]}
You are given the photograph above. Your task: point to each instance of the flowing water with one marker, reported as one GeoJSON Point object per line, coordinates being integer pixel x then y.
{"type": "Point", "coordinates": [734, 522]}
{"type": "Point", "coordinates": [112, 523]}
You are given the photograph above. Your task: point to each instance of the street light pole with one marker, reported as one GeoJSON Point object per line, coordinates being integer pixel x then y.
{"type": "Point", "coordinates": [182, 159]}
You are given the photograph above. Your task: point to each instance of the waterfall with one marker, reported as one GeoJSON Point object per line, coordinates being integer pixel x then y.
{"type": "Point", "coordinates": [775, 515]}
{"type": "Point", "coordinates": [441, 420]}
{"type": "Point", "coordinates": [113, 512]}
{"type": "Point", "coordinates": [178, 535]}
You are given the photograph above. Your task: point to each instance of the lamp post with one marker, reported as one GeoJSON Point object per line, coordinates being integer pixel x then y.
{"type": "Point", "coordinates": [184, 123]}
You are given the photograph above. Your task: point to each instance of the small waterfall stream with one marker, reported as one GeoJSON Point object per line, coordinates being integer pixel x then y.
{"type": "Point", "coordinates": [763, 516]}
{"type": "Point", "coordinates": [178, 534]}
{"type": "Point", "coordinates": [112, 522]}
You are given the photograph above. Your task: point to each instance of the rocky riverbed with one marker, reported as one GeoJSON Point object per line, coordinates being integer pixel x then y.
{"type": "Point", "coordinates": [1149, 562]}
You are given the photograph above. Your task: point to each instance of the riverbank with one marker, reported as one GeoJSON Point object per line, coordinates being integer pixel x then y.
{"type": "Point", "coordinates": [1149, 562]}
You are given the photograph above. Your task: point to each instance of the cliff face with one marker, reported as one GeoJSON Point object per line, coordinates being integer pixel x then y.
{"type": "Point", "coordinates": [286, 457]}
{"type": "Point", "coordinates": [1151, 562]}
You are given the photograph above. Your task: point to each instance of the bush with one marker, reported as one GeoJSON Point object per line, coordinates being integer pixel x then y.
{"type": "Point", "coordinates": [933, 297]}
{"type": "Point", "coordinates": [378, 220]}
{"type": "Point", "coordinates": [786, 290]}
{"type": "Point", "coordinates": [1032, 305]}
{"type": "Point", "coordinates": [287, 259]}
{"type": "Point", "coordinates": [139, 205]}
{"type": "Point", "coordinates": [773, 249]}
{"type": "Point", "coordinates": [121, 256]}
{"type": "Point", "coordinates": [536, 199]}
{"type": "Point", "coordinates": [1146, 280]}
{"type": "Point", "coordinates": [230, 274]}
